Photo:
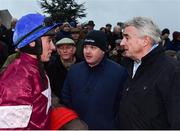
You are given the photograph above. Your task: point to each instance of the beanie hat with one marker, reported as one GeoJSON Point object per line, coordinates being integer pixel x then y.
{"type": "Point", "coordinates": [65, 41]}
{"type": "Point", "coordinates": [96, 38]}
{"type": "Point", "coordinates": [61, 116]}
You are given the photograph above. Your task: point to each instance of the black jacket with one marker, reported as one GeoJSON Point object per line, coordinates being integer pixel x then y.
{"type": "Point", "coordinates": [151, 100]}
{"type": "Point", "coordinates": [57, 74]}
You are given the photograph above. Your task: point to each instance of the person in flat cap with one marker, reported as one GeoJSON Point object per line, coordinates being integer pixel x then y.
{"type": "Point", "coordinates": [92, 88]}
{"type": "Point", "coordinates": [59, 64]}
{"type": "Point", "coordinates": [62, 117]}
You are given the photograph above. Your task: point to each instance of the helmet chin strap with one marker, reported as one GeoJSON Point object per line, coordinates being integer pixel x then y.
{"type": "Point", "coordinates": [36, 50]}
{"type": "Point", "coordinates": [39, 49]}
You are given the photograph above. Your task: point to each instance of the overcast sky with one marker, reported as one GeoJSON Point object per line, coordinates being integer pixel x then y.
{"type": "Point", "coordinates": [166, 13]}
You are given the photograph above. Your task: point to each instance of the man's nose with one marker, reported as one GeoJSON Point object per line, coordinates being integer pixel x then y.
{"type": "Point", "coordinates": [122, 42]}
{"type": "Point", "coordinates": [87, 50]}
{"type": "Point", "coordinates": [53, 46]}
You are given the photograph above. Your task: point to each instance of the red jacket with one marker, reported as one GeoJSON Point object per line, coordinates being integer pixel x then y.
{"type": "Point", "coordinates": [24, 102]}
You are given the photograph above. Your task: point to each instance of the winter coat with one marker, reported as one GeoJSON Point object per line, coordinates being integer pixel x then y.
{"type": "Point", "coordinates": [151, 99]}
{"type": "Point", "coordinates": [94, 92]}
{"type": "Point", "coordinates": [57, 74]}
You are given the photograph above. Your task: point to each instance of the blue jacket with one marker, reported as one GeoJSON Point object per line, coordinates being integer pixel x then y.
{"type": "Point", "coordinates": [94, 93]}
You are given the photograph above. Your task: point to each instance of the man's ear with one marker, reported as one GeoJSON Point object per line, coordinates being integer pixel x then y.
{"type": "Point", "coordinates": [147, 40]}
{"type": "Point", "coordinates": [32, 44]}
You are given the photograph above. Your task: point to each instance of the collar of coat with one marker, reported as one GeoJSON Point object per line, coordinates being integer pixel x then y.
{"type": "Point", "coordinates": [146, 60]}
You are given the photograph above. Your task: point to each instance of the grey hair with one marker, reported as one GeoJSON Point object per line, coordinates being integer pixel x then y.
{"type": "Point", "coordinates": [146, 27]}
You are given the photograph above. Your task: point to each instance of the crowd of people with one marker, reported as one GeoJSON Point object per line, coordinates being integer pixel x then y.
{"type": "Point", "coordinates": [71, 76]}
